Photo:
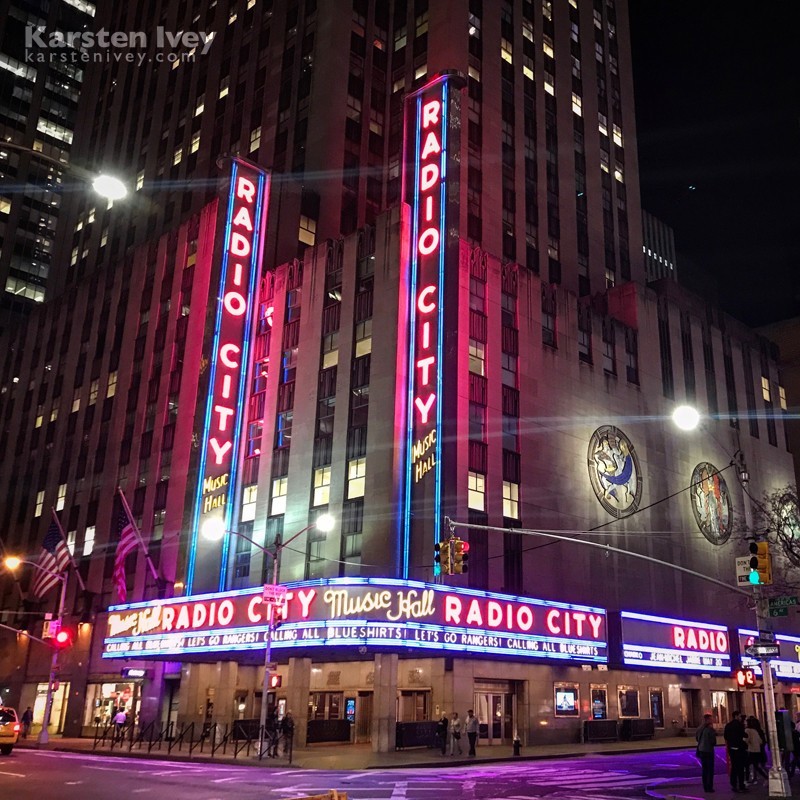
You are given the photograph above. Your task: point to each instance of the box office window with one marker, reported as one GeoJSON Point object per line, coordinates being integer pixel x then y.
{"type": "Point", "coordinates": [566, 699]}
{"type": "Point", "coordinates": [599, 708]}
{"type": "Point", "coordinates": [628, 701]}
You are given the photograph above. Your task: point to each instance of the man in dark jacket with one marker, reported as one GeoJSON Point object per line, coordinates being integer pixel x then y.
{"type": "Point", "coordinates": [734, 734]}
{"type": "Point", "coordinates": [706, 738]}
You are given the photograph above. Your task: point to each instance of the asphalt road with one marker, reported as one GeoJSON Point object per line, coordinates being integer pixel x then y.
{"type": "Point", "coordinates": [66, 776]}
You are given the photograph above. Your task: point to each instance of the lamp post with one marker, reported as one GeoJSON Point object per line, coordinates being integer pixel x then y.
{"type": "Point", "coordinates": [105, 185]}
{"type": "Point", "coordinates": [687, 418]}
{"type": "Point", "coordinates": [12, 562]}
{"type": "Point", "coordinates": [214, 529]}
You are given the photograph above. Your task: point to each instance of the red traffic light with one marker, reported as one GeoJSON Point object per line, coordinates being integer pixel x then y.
{"type": "Point", "coordinates": [63, 639]}
{"type": "Point", "coordinates": [464, 547]}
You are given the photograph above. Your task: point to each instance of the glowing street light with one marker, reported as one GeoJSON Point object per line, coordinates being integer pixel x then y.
{"type": "Point", "coordinates": [12, 562]}
{"type": "Point", "coordinates": [110, 187]}
{"type": "Point", "coordinates": [686, 418]}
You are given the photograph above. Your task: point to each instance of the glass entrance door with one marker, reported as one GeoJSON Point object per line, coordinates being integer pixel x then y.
{"type": "Point", "coordinates": [495, 713]}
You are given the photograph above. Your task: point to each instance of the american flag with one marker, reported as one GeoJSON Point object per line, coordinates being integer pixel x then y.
{"type": "Point", "coordinates": [128, 542]}
{"type": "Point", "coordinates": [54, 559]}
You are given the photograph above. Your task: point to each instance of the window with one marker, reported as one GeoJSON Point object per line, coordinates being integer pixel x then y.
{"type": "Point", "coordinates": [356, 477]}
{"type": "Point", "coordinates": [93, 390]}
{"type": "Point", "coordinates": [54, 414]}
{"type": "Point", "coordinates": [308, 231]}
{"type": "Point", "coordinates": [62, 496]}
{"type": "Point", "coordinates": [477, 295]}
{"type": "Point", "coordinates": [599, 709]}
{"type": "Point", "coordinates": [363, 338]}
{"type": "Point", "coordinates": [88, 540]}
{"type": "Point", "coordinates": [279, 488]}
{"type": "Point", "coordinates": [476, 491]}
{"type": "Point", "coordinates": [111, 389]}
{"type": "Point", "coordinates": [577, 104]}
{"type": "Point", "coordinates": [255, 138]}
{"type": "Point", "coordinates": [628, 701]}
{"type": "Point", "coordinates": [566, 700]}
{"type": "Point", "coordinates": [322, 486]}
{"type": "Point", "coordinates": [330, 350]}
{"type": "Point", "coordinates": [509, 367]}
{"type": "Point", "coordinates": [548, 317]}
{"type": "Point", "coordinates": [510, 500]}
{"type": "Point", "coordinates": [510, 432]}
{"type": "Point", "coordinates": [477, 357]}
{"type": "Point", "coordinates": [195, 143]}
{"type": "Point", "coordinates": [609, 353]}
{"type": "Point", "coordinates": [283, 429]}
{"type": "Point", "coordinates": [249, 496]}
{"type": "Point", "coordinates": [782, 398]}
{"type": "Point", "coordinates": [765, 391]}
{"type": "Point", "coordinates": [506, 51]}
{"type": "Point", "coordinates": [721, 707]}
{"type": "Point", "coordinates": [477, 422]}
{"type": "Point", "coordinates": [139, 184]}
{"type": "Point", "coordinates": [71, 537]}
{"type": "Point", "coordinates": [37, 422]}
{"type": "Point", "coordinates": [37, 511]}
{"type": "Point", "coordinates": [177, 156]}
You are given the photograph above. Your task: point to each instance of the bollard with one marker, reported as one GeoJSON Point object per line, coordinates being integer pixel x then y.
{"type": "Point", "coordinates": [517, 745]}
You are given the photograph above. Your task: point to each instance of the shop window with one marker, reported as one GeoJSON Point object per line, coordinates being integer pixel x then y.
{"type": "Point", "coordinates": [413, 706]}
{"type": "Point", "coordinates": [567, 702]}
{"type": "Point", "coordinates": [657, 707]}
{"type": "Point", "coordinates": [325, 705]}
{"type": "Point", "coordinates": [628, 701]}
{"type": "Point", "coordinates": [599, 702]}
{"type": "Point", "coordinates": [721, 706]}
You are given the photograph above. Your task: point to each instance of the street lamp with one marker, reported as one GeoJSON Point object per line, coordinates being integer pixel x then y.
{"type": "Point", "coordinates": [107, 186]}
{"type": "Point", "coordinates": [687, 419]}
{"type": "Point", "coordinates": [214, 530]}
{"type": "Point", "coordinates": [12, 562]}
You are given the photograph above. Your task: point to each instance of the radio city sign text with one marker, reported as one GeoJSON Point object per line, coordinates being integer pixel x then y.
{"type": "Point", "coordinates": [368, 611]}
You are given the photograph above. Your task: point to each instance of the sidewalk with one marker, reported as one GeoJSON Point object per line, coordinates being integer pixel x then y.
{"type": "Point", "coordinates": [691, 789]}
{"type": "Point", "coordinates": [360, 756]}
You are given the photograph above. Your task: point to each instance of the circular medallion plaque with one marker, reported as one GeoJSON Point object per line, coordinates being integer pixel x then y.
{"type": "Point", "coordinates": [614, 471]}
{"type": "Point", "coordinates": [711, 503]}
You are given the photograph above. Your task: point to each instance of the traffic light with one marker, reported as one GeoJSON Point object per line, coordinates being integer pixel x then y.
{"type": "Point", "coordinates": [760, 564]}
{"type": "Point", "coordinates": [275, 681]}
{"type": "Point", "coordinates": [64, 639]}
{"type": "Point", "coordinates": [460, 556]}
{"type": "Point", "coordinates": [441, 557]}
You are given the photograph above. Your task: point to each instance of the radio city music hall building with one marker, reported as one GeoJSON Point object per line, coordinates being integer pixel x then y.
{"type": "Point", "coordinates": [473, 346]}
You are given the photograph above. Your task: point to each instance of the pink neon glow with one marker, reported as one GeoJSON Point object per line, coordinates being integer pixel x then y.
{"type": "Point", "coordinates": [424, 407]}
{"type": "Point", "coordinates": [431, 145]}
{"type": "Point", "coordinates": [424, 364]}
{"type": "Point", "coordinates": [699, 639]}
{"type": "Point", "coordinates": [220, 449]}
{"type": "Point", "coordinates": [246, 189]}
{"type": "Point", "coordinates": [428, 177]}
{"type": "Point", "coordinates": [422, 304]}
{"type": "Point", "coordinates": [240, 245]}
{"type": "Point", "coordinates": [430, 113]}
{"type": "Point", "coordinates": [428, 241]}
{"type": "Point", "coordinates": [235, 304]}
{"type": "Point", "coordinates": [225, 413]}
{"type": "Point", "coordinates": [225, 358]}
{"type": "Point", "coordinates": [243, 219]}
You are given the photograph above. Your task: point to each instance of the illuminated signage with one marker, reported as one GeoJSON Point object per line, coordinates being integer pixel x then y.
{"type": "Point", "coordinates": [786, 667]}
{"type": "Point", "coordinates": [745, 678]}
{"type": "Point", "coordinates": [378, 612]}
{"type": "Point", "coordinates": [664, 643]}
{"type": "Point", "coordinates": [430, 148]}
{"type": "Point", "coordinates": [239, 274]}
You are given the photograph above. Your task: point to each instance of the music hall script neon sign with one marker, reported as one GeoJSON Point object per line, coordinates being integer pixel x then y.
{"type": "Point", "coordinates": [427, 156]}
{"type": "Point", "coordinates": [376, 612]}
{"type": "Point", "coordinates": [240, 271]}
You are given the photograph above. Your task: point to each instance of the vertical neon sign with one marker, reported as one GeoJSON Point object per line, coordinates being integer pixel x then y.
{"type": "Point", "coordinates": [428, 152]}
{"type": "Point", "coordinates": [220, 437]}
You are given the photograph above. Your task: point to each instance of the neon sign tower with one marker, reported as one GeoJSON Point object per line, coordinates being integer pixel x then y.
{"type": "Point", "coordinates": [431, 190]}
{"type": "Point", "coordinates": [216, 490]}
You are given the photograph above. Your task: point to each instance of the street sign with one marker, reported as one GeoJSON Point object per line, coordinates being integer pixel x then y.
{"type": "Point", "coordinates": [274, 593]}
{"type": "Point", "coordinates": [767, 637]}
{"type": "Point", "coordinates": [763, 650]}
{"type": "Point", "coordinates": [779, 612]}
{"type": "Point", "coordinates": [782, 602]}
{"type": "Point", "coordinates": [271, 666]}
{"type": "Point", "coordinates": [743, 570]}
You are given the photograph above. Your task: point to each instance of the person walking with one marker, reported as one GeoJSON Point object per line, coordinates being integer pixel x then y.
{"type": "Point", "coordinates": [471, 728]}
{"type": "Point", "coordinates": [756, 756]}
{"type": "Point", "coordinates": [441, 732]}
{"type": "Point", "coordinates": [455, 734]}
{"type": "Point", "coordinates": [736, 743]}
{"type": "Point", "coordinates": [27, 721]}
{"type": "Point", "coordinates": [706, 738]}
{"type": "Point", "coordinates": [120, 718]}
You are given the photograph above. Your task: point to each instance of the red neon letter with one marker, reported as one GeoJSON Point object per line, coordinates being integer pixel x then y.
{"type": "Point", "coordinates": [225, 358]}
{"type": "Point", "coordinates": [226, 386]}
{"type": "Point", "coordinates": [679, 636]}
{"type": "Point", "coordinates": [428, 176]}
{"type": "Point", "coordinates": [430, 113]}
{"type": "Point", "coordinates": [224, 412]}
{"type": "Point", "coordinates": [252, 614]}
{"type": "Point", "coordinates": [429, 241]}
{"type": "Point", "coordinates": [426, 335]}
{"type": "Point", "coordinates": [305, 598]}
{"type": "Point", "coordinates": [243, 219]}
{"type": "Point", "coordinates": [424, 408]}
{"type": "Point", "coordinates": [551, 620]}
{"type": "Point", "coordinates": [235, 304]}
{"type": "Point", "coordinates": [424, 306]}
{"type": "Point", "coordinates": [424, 364]}
{"type": "Point", "coordinates": [431, 145]}
{"type": "Point", "coordinates": [219, 449]}
{"type": "Point", "coordinates": [244, 188]}
{"type": "Point", "coordinates": [452, 609]}
{"type": "Point", "coordinates": [240, 246]}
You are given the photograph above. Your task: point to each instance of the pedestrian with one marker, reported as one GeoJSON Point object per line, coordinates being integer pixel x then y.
{"type": "Point", "coordinates": [272, 734]}
{"type": "Point", "coordinates": [27, 721]}
{"type": "Point", "coordinates": [441, 732]}
{"type": "Point", "coordinates": [455, 734]}
{"type": "Point", "coordinates": [120, 718]}
{"type": "Point", "coordinates": [287, 730]}
{"type": "Point", "coordinates": [706, 738]}
{"type": "Point", "coordinates": [735, 740]}
{"type": "Point", "coordinates": [756, 756]}
{"type": "Point", "coordinates": [471, 728]}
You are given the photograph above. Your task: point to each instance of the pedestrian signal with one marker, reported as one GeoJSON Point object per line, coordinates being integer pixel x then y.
{"type": "Point", "coordinates": [275, 681]}
{"type": "Point", "coordinates": [760, 564]}
{"type": "Point", "coordinates": [64, 639]}
{"type": "Point", "coordinates": [745, 678]}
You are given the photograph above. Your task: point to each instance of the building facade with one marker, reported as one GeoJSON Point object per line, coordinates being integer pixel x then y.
{"type": "Point", "coordinates": [449, 320]}
{"type": "Point", "coordinates": [658, 249]}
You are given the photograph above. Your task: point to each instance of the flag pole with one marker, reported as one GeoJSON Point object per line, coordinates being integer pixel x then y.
{"type": "Point", "coordinates": [66, 544]}
{"type": "Point", "coordinates": [153, 570]}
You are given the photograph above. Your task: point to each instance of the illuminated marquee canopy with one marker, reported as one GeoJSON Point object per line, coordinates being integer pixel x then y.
{"type": "Point", "coordinates": [377, 612]}
{"type": "Point", "coordinates": [665, 643]}
{"type": "Point", "coordinates": [786, 667]}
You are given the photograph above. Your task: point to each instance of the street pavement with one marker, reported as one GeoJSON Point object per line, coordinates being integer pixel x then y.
{"type": "Point", "coordinates": [44, 774]}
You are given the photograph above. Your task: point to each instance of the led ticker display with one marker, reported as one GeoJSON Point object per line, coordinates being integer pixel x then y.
{"type": "Point", "coordinates": [430, 148]}
{"type": "Point", "coordinates": [229, 360]}
{"type": "Point", "coordinates": [785, 667]}
{"type": "Point", "coordinates": [664, 643]}
{"type": "Point", "coordinates": [375, 612]}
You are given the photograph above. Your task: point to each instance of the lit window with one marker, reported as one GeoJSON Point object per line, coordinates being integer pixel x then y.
{"type": "Point", "coordinates": [279, 488]}
{"type": "Point", "coordinates": [474, 26]}
{"type": "Point", "coordinates": [76, 401]}
{"type": "Point", "coordinates": [249, 496]}
{"type": "Point", "coordinates": [356, 477]}
{"type": "Point", "coordinates": [308, 230]}
{"type": "Point", "coordinates": [400, 38]}
{"type": "Point", "coordinates": [54, 414]}
{"type": "Point", "coordinates": [576, 104]}
{"type": "Point", "coordinates": [376, 122]}
{"type": "Point", "coordinates": [200, 106]}
{"type": "Point", "coordinates": [476, 491]}
{"type": "Point", "coordinates": [527, 29]}
{"type": "Point", "coordinates": [765, 392]}
{"type": "Point", "coordinates": [474, 73]}
{"type": "Point", "coordinates": [139, 180]}
{"type": "Point", "coordinates": [420, 72]}
{"type": "Point", "coordinates": [510, 500]}
{"type": "Point", "coordinates": [5, 206]}
{"type": "Point", "coordinates": [330, 350]}
{"type": "Point", "coordinates": [93, 390]}
{"type": "Point", "coordinates": [74, 257]}
{"type": "Point", "coordinates": [322, 486]}
{"type": "Point", "coordinates": [37, 512]}
{"type": "Point", "coordinates": [363, 338]}
{"type": "Point", "coordinates": [255, 138]}
{"type": "Point", "coordinates": [782, 397]}
{"type": "Point", "coordinates": [37, 423]}
{"type": "Point", "coordinates": [422, 23]}
{"type": "Point", "coordinates": [506, 51]}
{"type": "Point", "coordinates": [232, 18]}
{"type": "Point", "coordinates": [398, 85]}
{"type": "Point", "coordinates": [547, 46]}
{"type": "Point", "coordinates": [88, 540]}
{"type": "Point", "coordinates": [477, 357]}
{"type": "Point", "coordinates": [62, 496]}
{"type": "Point", "coordinates": [224, 85]}
{"type": "Point", "coordinates": [177, 156]}
{"type": "Point", "coordinates": [111, 389]}
{"type": "Point", "coordinates": [602, 123]}
{"type": "Point", "coordinates": [617, 135]}
{"type": "Point", "coordinates": [598, 18]}
{"type": "Point", "coordinates": [71, 536]}
{"type": "Point", "coordinates": [618, 173]}
{"type": "Point", "coordinates": [527, 67]}
{"type": "Point", "coordinates": [549, 87]}
{"type": "Point", "coordinates": [194, 146]}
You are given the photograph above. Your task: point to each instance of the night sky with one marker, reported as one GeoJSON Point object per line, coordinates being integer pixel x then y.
{"type": "Point", "coordinates": [718, 109]}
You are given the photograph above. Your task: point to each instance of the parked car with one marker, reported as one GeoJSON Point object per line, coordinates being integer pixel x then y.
{"type": "Point", "coordinates": [9, 729]}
